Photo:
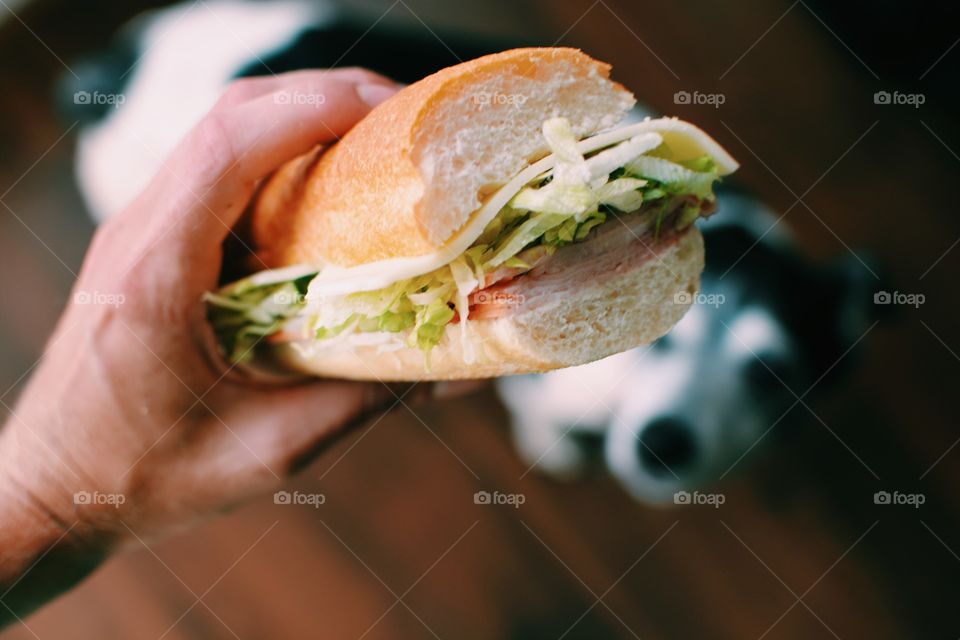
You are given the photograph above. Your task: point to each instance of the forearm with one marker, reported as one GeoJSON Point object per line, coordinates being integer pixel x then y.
{"type": "Point", "coordinates": [42, 552]}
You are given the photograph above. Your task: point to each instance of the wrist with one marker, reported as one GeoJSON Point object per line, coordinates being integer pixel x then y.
{"type": "Point", "coordinates": [41, 504]}
{"type": "Point", "coordinates": [45, 486]}
{"type": "Point", "coordinates": [43, 550]}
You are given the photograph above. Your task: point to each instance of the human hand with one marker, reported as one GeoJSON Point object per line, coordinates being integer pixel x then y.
{"type": "Point", "coordinates": [130, 427]}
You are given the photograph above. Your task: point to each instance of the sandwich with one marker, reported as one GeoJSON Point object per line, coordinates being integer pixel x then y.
{"type": "Point", "coordinates": [490, 219]}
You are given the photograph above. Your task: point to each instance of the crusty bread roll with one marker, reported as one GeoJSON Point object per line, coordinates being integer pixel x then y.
{"type": "Point", "coordinates": [405, 183]}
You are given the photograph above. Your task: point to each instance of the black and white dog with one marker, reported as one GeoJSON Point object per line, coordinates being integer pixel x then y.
{"type": "Point", "coordinates": [679, 414]}
{"type": "Point", "coordinates": [672, 416]}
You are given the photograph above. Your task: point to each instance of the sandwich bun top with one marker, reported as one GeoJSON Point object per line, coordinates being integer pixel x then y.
{"type": "Point", "coordinates": [411, 173]}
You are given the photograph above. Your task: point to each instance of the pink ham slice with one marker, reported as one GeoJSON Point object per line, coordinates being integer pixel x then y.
{"type": "Point", "coordinates": [621, 244]}
{"type": "Point", "coordinates": [532, 257]}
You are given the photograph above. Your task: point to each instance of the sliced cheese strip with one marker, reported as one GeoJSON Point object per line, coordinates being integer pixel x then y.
{"type": "Point", "coordinates": [276, 276]}
{"type": "Point", "coordinates": [685, 141]}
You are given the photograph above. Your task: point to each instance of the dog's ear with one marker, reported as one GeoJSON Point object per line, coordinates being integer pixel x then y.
{"type": "Point", "coordinates": [844, 291]}
{"type": "Point", "coordinates": [864, 281]}
{"type": "Point", "coordinates": [103, 72]}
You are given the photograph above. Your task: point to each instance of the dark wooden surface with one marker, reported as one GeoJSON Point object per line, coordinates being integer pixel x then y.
{"type": "Point", "coordinates": [399, 550]}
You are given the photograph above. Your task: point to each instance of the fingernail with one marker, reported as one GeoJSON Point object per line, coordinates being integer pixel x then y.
{"type": "Point", "coordinates": [374, 94]}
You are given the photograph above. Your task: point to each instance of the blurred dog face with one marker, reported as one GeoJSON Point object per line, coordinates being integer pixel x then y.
{"type": "Point", "coordinates": [672, 415]}
{"type": "Point", "coordinates": [698, 399]}
{"type": "Point", "coordinates": [684, 411]}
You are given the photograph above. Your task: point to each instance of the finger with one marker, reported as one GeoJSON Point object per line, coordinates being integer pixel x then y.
{"type": "Point", "coordinates": [245, 89]}
{"type": "Point", "coordinates": [290, 427]}
{"type": "Point", "coordinates": [212, 173]}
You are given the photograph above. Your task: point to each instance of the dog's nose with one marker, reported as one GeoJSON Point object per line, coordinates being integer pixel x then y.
{"type": "Point", "coordinates": [666, 446]}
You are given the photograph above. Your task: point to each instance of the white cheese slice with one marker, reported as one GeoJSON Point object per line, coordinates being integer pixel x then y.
{"type": "Point", "coordinates": [685, 141]}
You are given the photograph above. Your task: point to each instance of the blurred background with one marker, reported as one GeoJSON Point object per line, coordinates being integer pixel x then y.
{"type": "Point", "coordinates": [843, 118]}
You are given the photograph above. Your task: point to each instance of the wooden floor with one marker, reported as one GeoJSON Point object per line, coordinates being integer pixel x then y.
{"type": "Point", "coordinates": [799, 550]}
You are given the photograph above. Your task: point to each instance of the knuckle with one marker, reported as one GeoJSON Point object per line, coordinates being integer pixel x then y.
{"type": "Point", "coordinates": [103, 243]}
{"type": "Point", "coordinates": [135, 297]}
{"type": "Point", "coordinates": [210, 134]}
{"type": "Point", "coordinates": [99, 283]}
{"type": "Point", "coordinates": [146, 302]}
{"type": "Point", "coordinates": [209, 146]}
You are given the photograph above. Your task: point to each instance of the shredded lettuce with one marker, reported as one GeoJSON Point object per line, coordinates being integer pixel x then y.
{"type": "Point", "coordinates": [245, 312]}
{"type": "Point", "coordinates": [674, 177]}
{"type": "Point", "coordinates": [560, 207]}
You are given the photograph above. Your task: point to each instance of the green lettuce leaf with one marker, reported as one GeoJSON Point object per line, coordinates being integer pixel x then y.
{"type": "Point", "coordinates": [244, 313]}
